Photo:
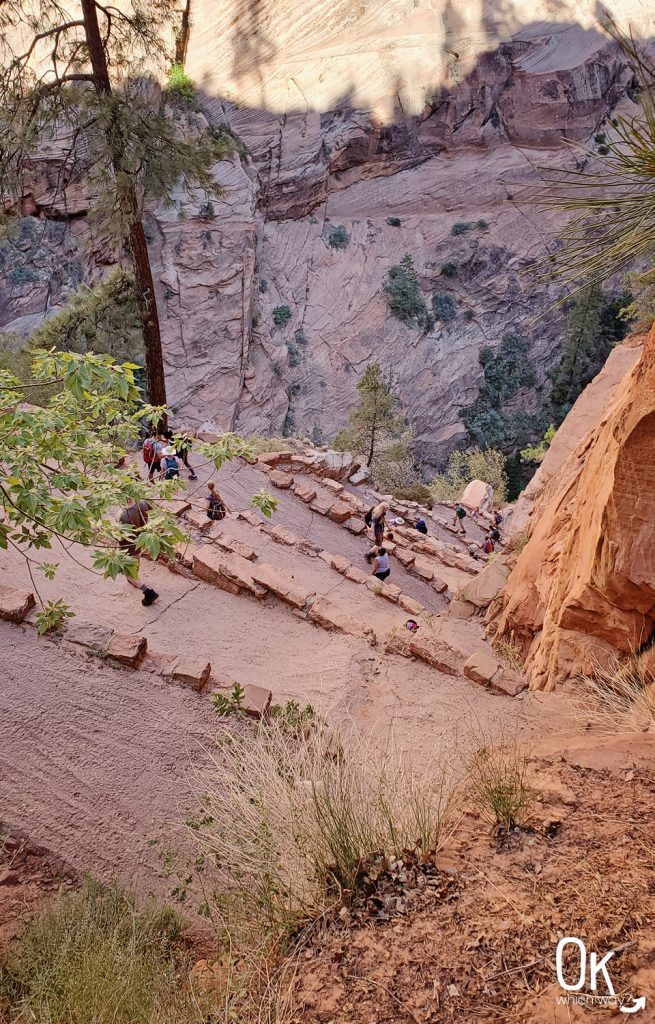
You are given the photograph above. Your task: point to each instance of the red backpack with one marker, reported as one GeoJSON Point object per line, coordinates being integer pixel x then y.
{"type": "Point", "coordinates": [149, 451]}
{"type": "Point", "coordinates": [488, 547]}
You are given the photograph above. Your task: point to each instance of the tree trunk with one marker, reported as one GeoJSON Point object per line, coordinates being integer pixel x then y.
{"type": "Point", "coordinates": [136, 240]}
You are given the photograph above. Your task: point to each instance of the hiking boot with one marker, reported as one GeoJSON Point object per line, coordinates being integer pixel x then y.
{"type": "Point", "coordinates": [149, 596]}
{"type": "Point", "coordinates": [192, 476]}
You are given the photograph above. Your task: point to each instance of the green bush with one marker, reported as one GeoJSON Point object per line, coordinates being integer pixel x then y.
{"type": "Point", "coordinates": [22, 275]}
{"type": "Point", "coordinates": [461, 227]}
{"type": "Point", "coordinates": [180, 85]}
{"type": "Point", "coordinates": [403, 294]}
{"type": "Point", "coordinates": [464, 466]}
{"type": "Point", "coordinates": [449, 269]}
{"type": "Point", "coordinates": [444, 306]}
{"type": "Point", "coordinates": [338, 237]}
{"type": "Point", "coordinates": [281, 316]}
{"type": "Point", "coordinates": [394, 222]}
{"type": "Point", "coordinates": [293, 353]}
{"type": "Point", "coordinates": [206, 210]}
{"type": "Point", "coordinates": [93, 957]}
{"type": "Point", "coordinates": [415, 492]}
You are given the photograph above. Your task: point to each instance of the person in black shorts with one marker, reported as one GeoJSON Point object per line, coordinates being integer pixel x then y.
{"type": "Point", "coordinates": [135, 517]}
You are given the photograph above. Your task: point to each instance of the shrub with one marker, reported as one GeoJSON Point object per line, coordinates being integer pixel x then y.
{"type": "Point", "coordinates": [415, 492]}
{"type": "Point", "coordinates": [403, 294]}
{"type": "Point", "coordinates": [180, 85]}
{"type": "Point", "coordinates": [293, 815]}
{"type": "Point", "coordinates": [464, 466]}
{"type": "Point", "coordinates": [510, 651]}
{"type": "Point", "coordinates": [444, 306]}
{"type": "Point", "coordinates": [461, 227]}
{"type": "Point", "coordinates": [263, 285]}
{"type": "Point", "coordinates": [206, 210]}
{"type": "Point", "coordinates": [338, 237]}
{"type": "Point", "coordinates": [394, 222]}
{"type": "Point", "coordinates": [497, 785]}
{"type": "Point", "coordinates": [22, 275]}
{"type": "Point", "coordinates": [494, 119]}
{"type": "Point", "coordinates": [537, 453]}
{"type": "Point", "coordinates": [300, 336]}
{"type": "Point", "coordinates": [93, 958]}
{"type": "Point", "coordinates": [617, 697]}
{"type": "Point", "coordinates": [259, 445]}
{"type": "Point", "coordinates": [449, 269]}
{"type": "Point", "coordinates": [293, 354]}
{"type": "Point", "coordinates": [281, 316]}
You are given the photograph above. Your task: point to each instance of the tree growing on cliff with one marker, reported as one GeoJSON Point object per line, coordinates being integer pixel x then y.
{"type": "Point", "coordinates": [376, 433]}
{"type": "Point", "coordinates": [594, 327]}
{"type": "Point", "coordinates": [403, 293]}
{"type": "Point", "coordinates": [81, 73]}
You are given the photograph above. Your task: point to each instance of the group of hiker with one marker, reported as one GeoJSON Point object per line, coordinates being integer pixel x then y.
{"type": "Point", "coordinates": [163, 453]}
{"type": "Point", "coordinates": [376, 520]}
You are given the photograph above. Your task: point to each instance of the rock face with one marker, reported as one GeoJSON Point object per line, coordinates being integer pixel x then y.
{"type": "Point", "coordinates": [583, 588]}
{"type": "Point", "coordinates": [412, 126]}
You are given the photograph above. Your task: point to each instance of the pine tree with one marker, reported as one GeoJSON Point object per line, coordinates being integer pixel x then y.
{"type": "Point", "coordinates": [584, 320]}
{"type": "Point", "coordinates": [85, 70]}
{"type": "Point", "coordinates": [372, 421]}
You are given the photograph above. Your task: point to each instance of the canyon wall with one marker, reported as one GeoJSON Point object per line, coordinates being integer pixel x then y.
{"type": "Point", "coordinates": [413, 125]}
{"type": "Point", "coordinates": [582, 591]}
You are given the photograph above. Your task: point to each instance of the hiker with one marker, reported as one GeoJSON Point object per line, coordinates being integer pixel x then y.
{"type": "Point", "coordinates": [183, 446]}
{"type": "Point", "coordinates": [152, 449]}
{"type": "Point", "coordinates": [216, 509]}
{"type": "Point", "coordinates": [494, 533]}
{"type": "Point", "coordinates": [498, 518]}
{"type": "Point", "coordinates": [458, 519]}
{"type": "Point", "coordinates": [420, 526]}
{"type": "Point", "coordinates": [488, 545]}
{"type": "Point", "coordinates": [170, 467]}
{"type": "Point", "coordinates": [378, 521]}
{"type": "Point", "coordinates": [475, 514]}
{"type": "Point", "coordinates": [135, 516]}
{"type": "Point", "coordinates": [381, 567]}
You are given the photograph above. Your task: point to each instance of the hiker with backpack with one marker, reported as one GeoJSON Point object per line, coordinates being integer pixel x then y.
{"type": "Point", "coordinates": [381, 566]}
{"type": "Point", "coordinates": [216, 508]}
{"type": "Point", "coordinates": [134, 517]}
{"type": "Point", "coordinates": [488, 545]}
{"type": "Point", "coordinates": [170, 467]}
{"type": "Point", "coordinates": [152, 449]}
{"type": "Point", "coordinates": [183, 445]}
{"type": "Point", "coordinates": [421, 526]}
{"type": "Point", "coordinates": [458, 519]}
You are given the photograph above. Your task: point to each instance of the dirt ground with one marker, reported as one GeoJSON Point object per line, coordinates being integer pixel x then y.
{"type": "Point", "coordinates": [478, 943]}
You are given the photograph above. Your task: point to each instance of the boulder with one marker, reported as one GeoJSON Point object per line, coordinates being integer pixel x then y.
{"type": "Point", "coordinates": [305, 492]}
{"type": "Point", "coordinates": [274, 458]}
{"type": "Point", "coordinates": [15, 604]}
{"type": "Point", "coordinates": [405, 557]}
{"type": "Point", "coordinates": [487, 584]}
{"type": "Point", "coordinates": [481, 668]}
{"type": "Point", "coordinates": [89, 634]}
{"type": "Point", "coordinates": [408, 604]}
{"type": "Point", "coordinates": [387, 590]}
{"type": "Point", "coordinates": [282, 584]}
{"type": "Point", "coordinates": [230, 543]}
{"type": "Point", "coordinates": [226, 570]}
{"type": "Point", "coordinates": [422, 568]}
{"type": "Point", "coordinates": [360, 476]}
{"type": "Point", "coordinates": [194, 672]}
{"type": "Point", "coordinates": [280, 479]}
{"type": "Point", "coordinates": [438, 585]}
{"type": "Point", "coordinates": [509, 682]}
{"type": "Point", "coordinates": [280, 534]}
{"type": "Point", "coordinates": [340, 512]}
{"type": "Point", "coordinates": [461, 609]}
{"type": "Point", "coordinates": [340, 563]}
{"type": "Point", "coordinates": [435, 652]}
{"type": "Point", "coordinates": [198, 520]}
{"type": "Point", "coordinates": [127, 648]}
{"type": "Point", "coordinates": [249, 516]}
{"type": "Point", "coordinates": [334, 464]}
{"type": "Point", "coordinates": [256, 700]}
{"type": "Point", "coordinates": [478, 494]}
{"type": "Point", "coordinates": [322, 503]}
{"type": "Point", "coordinates": [356, 526]}
{"type": "Point", "coordinates": [333, 485]}
{"type": "Point", "coordinates": [327, 614]}
{"type": "Point", "coordinates": [356, 575]}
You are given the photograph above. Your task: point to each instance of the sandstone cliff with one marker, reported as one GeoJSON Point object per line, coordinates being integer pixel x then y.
{"type": "Point", "coordinates": [414, 127]}
{"type": "Point", "coordinates": [583, 587]}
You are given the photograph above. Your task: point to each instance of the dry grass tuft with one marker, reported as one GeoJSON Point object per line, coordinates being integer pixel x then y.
{"type": "Point", "coordinates": [618, 697]}
{"type": "Point", "coordinates": [289, 821]}
{"type": "Point", "coordinates": [510, 651]}
{"type": "Point", "coordinates": [497, 785]}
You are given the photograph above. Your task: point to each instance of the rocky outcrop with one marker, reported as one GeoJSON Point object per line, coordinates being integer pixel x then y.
{"type": "Point", "coordinates": [414, 129]}
{"type": "Point", "coordinates": [583, 587]}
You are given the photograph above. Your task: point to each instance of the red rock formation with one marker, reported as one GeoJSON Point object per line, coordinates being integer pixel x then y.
{"type": "Point", "coordinates": [583, 588]}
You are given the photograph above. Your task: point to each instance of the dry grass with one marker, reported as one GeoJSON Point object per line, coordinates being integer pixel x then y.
{"type": "Point", "coordinates": [288, 821]}
{"type": "Point", "coordinates": [617, 698]}
{"type": "Point", "coordinates": [259, 445]}
{"type": "Point", "coordinates": [94, 958]}
{"type": "Point", "coordinates": [510, 651]}
{"type": "Point", "coordinates": [497, 785]}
